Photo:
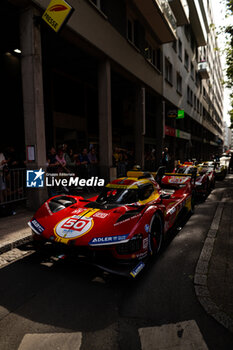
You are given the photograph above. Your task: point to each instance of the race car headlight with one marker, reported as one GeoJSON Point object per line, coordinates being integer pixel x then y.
{"type": "Point", "coordinates": [132, 246]}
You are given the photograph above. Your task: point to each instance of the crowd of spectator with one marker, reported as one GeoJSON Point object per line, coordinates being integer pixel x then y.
{"type": "Point", "coordinates": [66, 160]}
{"type": "Point", "coordinates": [11, 177]}
{"type": "Point", "coordinates": [123, 159]}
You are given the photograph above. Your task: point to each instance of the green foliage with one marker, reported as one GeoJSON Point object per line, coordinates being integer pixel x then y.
{"type": "Point", "coordinates": [229, 55]}
{"type": "Point", "coordinates": [230, 5]}
{"type": "Point", "coordinates": [231, 118]}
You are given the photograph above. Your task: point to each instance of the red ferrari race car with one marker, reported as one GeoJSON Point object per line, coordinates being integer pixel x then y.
{"type": "Point", "coordinates": [119, 229]}
{"type": "Point", "coordinates": [204, 176]}
{"type": "Point", "coordinates": [205, 180]}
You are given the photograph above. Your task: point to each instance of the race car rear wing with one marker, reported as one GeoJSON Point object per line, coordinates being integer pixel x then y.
{"type": "Point", "coordinates": [178, 174]}
{"type": "Point", "coordinates": [157, 175]}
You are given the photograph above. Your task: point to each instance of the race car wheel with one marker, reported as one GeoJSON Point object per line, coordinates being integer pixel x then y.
{"type": "Point", "coordinates": [156, 234]}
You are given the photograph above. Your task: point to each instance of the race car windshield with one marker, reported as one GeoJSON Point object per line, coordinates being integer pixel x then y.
{"type": "Point", "coordinates": [203, 170]}
{"type": "Point", "coordinates": [185, 170]}
{"type": "Point", "coordinates": [118, 196]}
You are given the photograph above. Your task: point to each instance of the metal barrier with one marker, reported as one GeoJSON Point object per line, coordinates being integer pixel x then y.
{"type": "Point", "coordinates": [12, 185]}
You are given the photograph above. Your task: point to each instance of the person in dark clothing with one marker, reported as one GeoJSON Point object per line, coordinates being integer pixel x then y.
{"type": "Point", "coordinates": [84, 162]}
{"type": "Point", "coordinates": [165, 159]}
{"type": "Point", "coordinates": [52, 167]}
{"type": "Point", "coordinates": [52, 161]}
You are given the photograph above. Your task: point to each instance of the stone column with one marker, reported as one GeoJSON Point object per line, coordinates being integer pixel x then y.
{"type": "Point", "coordinates": [140, 126]}
{"type": "Point", "coordinates": [160, 131]}
{"type": "Point", "coordinates": [105, 120]}
{"type": "Point", "coordinates": [33, 103]}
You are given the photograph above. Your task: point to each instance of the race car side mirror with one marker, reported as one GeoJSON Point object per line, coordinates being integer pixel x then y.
{"type": "Point", "coordinates": [160, 174]}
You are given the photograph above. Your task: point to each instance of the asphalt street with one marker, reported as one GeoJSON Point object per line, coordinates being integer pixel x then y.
{"type": "Point", "coordinates": [88, 309]}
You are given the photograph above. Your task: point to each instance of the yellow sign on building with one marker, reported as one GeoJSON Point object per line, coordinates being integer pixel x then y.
{"type": "Point", "coordinates": [56, 14]}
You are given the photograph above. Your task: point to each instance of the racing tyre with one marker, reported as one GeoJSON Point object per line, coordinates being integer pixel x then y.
{"type": "Point", "coordinates": [156, 234]}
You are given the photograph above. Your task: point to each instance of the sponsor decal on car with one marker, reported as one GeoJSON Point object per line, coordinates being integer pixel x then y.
{"type": "Point", "coordinates": [108, 240]}
{"type": "Point", "coordinates": [171, 211]}
{"type": "Point", "coordinates": [137, 269]}
{"type": "Point", "coordinates": [36, 226]}
{"type": "Point", "coordinates": [47, 207]}
{"type": "Point", "coordinates": [147, 228]}
{"type": "Point", "coordinates": [128, 219]}
{"type": "Point", "coordinates": [78, 211]}
{"type": "Point", "coordinates": [100, 215]}
{"type": "Point", "coordinates": [145, 243]}
{"type": "Point", "coordinates": [177, 180]}
{"type": "Point", "coordinates": [72, 227]}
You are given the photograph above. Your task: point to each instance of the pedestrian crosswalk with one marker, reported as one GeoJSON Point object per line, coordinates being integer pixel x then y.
{"type": "Point", "coordinates": [177, 336]}
{"type": "Point", "coordinates": [180, 336]}
{"type": "Point", "coordinates": [51, 341]}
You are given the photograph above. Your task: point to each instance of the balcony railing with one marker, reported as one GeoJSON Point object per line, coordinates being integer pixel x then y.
{"type": "Point", "coordinates": [181, 11]}
{"type": "Point", "coordinates": [160, 17]}
{"type": "Point", "coordinates": [168, 12]}
{"type": "Point", "coordinates": [203, 70]}
{"type": "Point", "coordinates": [197, 22]}
{"type": "Point", "coordinates": [13, 183]}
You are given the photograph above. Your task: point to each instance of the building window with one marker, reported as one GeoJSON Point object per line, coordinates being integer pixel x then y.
{"type": "Point", "coordinates": [98, 4]}
{"type": "Point", "coordinates": [168, 71]}
{"type": "Point", "coordinates": [180, 49]}
{"type": "Point", "coordinates": [186, 60]}
{"type": "Point", "coordinates": [198, 106]}
{"type": "Point", "coordinates": [192, 70]}
{"type": "Point", "coordinates": [189, 96]}
{"type": "Point", "coordinates": [187, 31]}
{"type": "Point", "coordinates": [197, 54]}
{"type": "Point", "coordinates": [197, 81]}
{"type": "Point", "coordinates": [130, 30]}
{"type": "Point", "coordinates": [153, 55]}
{"type": "Point", "coordinates": [179, 83]}
{"type": "Point", "coordinates": [204, 93]}
{"type": "Point", "coordinates": [201, 109]}
{"type": "Point", "coordinates": [174, 45]}
{"type": "Point", "coordinates": [150, 53]}
{"type": "Point", "coordinates": [134, 32]}
{"type": "Point", "coordinates": [158, 59]}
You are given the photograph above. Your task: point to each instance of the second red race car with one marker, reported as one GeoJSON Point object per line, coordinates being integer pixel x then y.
{"type": "Point", "coordinates": [119, 229]}
{"type": "Point", "coordinates": [204, 176]}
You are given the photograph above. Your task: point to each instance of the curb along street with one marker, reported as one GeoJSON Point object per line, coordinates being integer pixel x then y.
{"type": "Point", "coordinates": [202, 271]}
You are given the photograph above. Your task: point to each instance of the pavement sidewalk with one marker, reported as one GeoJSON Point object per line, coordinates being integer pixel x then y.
{"type": "Point", "coordinates": [214, 271]}
{"type": "Point", "coordinates": [14, 230]}
{"type": "Point", "coordinates": [213, 279]}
